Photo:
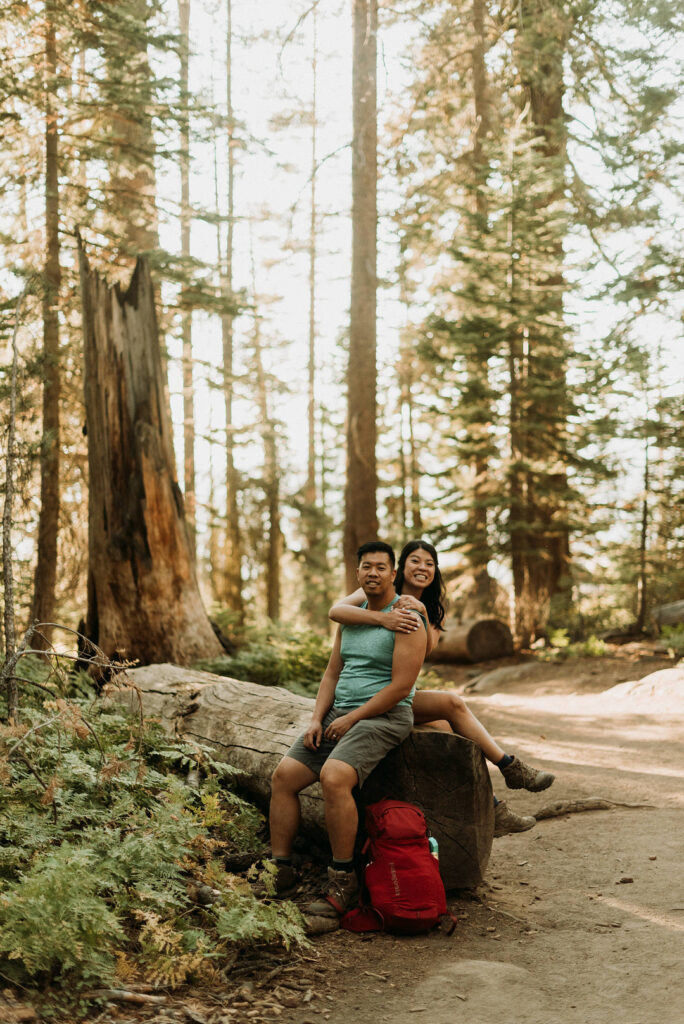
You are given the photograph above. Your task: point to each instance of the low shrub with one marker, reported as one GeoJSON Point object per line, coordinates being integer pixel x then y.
{"type": "Point", "coordinates": [276, 655]}
{"type": "Point", "coordinates": [559, 647]}
{"type": "Point", "coordinates": [673, 636]}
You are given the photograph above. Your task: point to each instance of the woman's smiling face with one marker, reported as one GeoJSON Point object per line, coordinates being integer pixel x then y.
{"type": "Point", "coordinates": [419, 568]}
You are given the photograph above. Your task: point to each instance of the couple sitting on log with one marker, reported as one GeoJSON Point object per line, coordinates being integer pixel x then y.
{"type": "Point", "coordinates": [367, 704]}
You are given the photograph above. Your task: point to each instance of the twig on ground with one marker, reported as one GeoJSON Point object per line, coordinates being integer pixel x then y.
{"type": "Point", "coordinates": [505, 913]}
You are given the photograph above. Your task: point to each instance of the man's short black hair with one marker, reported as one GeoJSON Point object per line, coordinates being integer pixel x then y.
{"type": "Point", "coordinates": [375, 545]}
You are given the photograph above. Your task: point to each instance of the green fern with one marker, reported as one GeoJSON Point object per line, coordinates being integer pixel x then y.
{"type": "Point", "coordinates": [100, 830]}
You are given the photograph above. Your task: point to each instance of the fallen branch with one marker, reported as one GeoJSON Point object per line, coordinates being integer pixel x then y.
{"type": "Point", "coordinates": [591, 803]}
{"type": "Point", "coordinates": [122, 995]}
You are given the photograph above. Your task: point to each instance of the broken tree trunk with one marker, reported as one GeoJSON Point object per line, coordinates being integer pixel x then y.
{"type": "Point", "coordinates": [251, 727]}
{"type": "Point", "coordinates": [478, 640]}
{"type": "Point", "coordinates": [143, 599]}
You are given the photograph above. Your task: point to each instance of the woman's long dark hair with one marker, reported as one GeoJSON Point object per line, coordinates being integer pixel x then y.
{"type": "Point", "coordinates": [434, 595]}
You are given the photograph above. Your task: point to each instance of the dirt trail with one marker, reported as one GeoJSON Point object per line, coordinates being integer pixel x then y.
{"type": "Point", "coordinates": [581, 920]}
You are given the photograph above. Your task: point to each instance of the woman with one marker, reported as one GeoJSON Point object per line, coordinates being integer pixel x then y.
{"type": "Point", "coordinates": [421, 589]}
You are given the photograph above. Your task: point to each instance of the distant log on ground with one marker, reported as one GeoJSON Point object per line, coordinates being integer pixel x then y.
{"type": "Point", "coordinates": [251, 727]}
{"type": "Point", "coordinates": [143, 599]}
{"type": "Point", "coordinates": [474, 594]}
{"type": "Point", "coordinates": [476, 640]}
{"type": "Point", "coordinates": [668, 614]}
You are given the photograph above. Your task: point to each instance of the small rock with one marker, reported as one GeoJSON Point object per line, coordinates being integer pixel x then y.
{"type": "Point", "coordinates": [653, 858]}
{"type": "Point", "coordinates": [625, 880]}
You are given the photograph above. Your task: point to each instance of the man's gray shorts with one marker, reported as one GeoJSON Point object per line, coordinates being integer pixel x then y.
{"type": "Point", "coordinates": [363, 746]}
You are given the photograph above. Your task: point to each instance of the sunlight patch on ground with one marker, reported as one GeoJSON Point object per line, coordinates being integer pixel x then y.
{"type": "Point", "coordinates": [659, 694]}
{"type": "Point", "coordinates": [644, 913]}
{"type": "Point", "coordinates": [617, 758]}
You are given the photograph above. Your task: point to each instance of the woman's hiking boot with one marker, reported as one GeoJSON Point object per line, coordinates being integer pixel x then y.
{"type": "Point", "coordinates": [519, 775]}
{"type": "Point", "coordinates": [341, 894]}
{"type": "Point", "coordinates": [507, 821]}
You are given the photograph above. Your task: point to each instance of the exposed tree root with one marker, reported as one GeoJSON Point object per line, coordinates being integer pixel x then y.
{"type": "Point", "coordinates": [590, 803]}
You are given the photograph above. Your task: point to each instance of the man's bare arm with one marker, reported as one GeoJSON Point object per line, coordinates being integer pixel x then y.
{"type": "Point", "coordinates": [325, 696]}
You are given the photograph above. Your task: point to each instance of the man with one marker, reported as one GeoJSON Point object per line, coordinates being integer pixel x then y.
{"type": "Point", "coordinates": [363, 710]}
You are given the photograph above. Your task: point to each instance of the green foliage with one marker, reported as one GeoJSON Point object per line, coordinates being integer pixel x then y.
{"type": "Point", "coordinates": [276, 655]}
{"type": "Point", "coordinates": [428, 679]}
{"type": "Point", "coordinates": [55, 922]}
{"type": "Point", "coordinates": [106, 829]}
{"type": "Point", "coordinates": [559, 647]}
{"type": "Point", "coordinates": [559, 638]}
{"type": "Point", "coordinates": [243, 917]}
{"type": "Point", "coordinates": [674, 637]}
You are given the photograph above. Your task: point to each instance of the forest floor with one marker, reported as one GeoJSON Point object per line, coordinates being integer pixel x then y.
{"type": "Point", "coordinates": [579, 920]}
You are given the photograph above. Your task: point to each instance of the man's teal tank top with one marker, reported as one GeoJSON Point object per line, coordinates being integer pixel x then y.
{"type": "Point", "coordinates": [367, 653]}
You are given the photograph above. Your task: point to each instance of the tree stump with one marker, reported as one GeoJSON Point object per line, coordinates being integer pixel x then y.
{"type": "Point", "coordinates": [475, 640]}
{"type": "Point", "coordinates": [143, 599]}
{"type": "Point", "coordinates": [251, 727]}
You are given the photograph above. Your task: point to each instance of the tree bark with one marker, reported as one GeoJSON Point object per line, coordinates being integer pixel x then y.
{"type": "Point", "coordinates": [274, 537]}
{"type": "Point", "coordinates": [43, 604]}
{"type": "Point", "coordinates": [231, 589]}
{"type": "Point", "coordinates": [189, 494]}
{"type": "Point", "coordinates": [361, 521]}
{"type": "Point", "coordinates": [8, 620]}
{"type": "Point", "coordinates": [540, 535]}
{"type": "Point", "coordinates": [642, 583]}
{"type": "Point", "coordinates": [143, 600]}
{"type": "Point", "coordinates": [132, 184]}
{"type": "Point", "coordinates": [315, 570]}
{"type": "Point", "coordinates": [479, 548]}
{"type": "Point", "coordinates": [251, 727]}
{"type": "Point", "coordinates": [480, 640]}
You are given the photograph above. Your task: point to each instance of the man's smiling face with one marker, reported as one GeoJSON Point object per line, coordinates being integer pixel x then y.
{"type": "Point", "coordinates": [375, 573]}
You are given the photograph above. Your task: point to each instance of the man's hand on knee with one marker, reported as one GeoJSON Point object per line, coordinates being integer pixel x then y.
{"type": "Point", "coordinates": [313, 735]}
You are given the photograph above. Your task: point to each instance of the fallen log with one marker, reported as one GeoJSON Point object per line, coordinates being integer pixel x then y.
{"type": "Point", "coordinates": [475, 640]}
{"type": "Point", "coordinates": [668, 614]}
{"type": "Point", "coordinates": [251, 727]}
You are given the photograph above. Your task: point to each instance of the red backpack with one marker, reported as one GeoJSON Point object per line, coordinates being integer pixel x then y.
{"type": "Point", "coordinates": [401, 877]}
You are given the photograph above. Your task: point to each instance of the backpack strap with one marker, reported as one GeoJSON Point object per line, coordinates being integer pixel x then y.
{"type": "Point", "coordinates": [363, 919]}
